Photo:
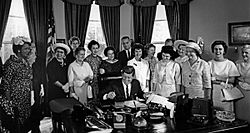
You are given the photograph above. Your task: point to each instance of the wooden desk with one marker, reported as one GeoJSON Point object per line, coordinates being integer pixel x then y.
{"type": "Point", "coordinates": [168, 126]}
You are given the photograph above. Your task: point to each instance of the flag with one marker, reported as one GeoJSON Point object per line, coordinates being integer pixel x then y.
{"type": "Point", "coordinates": [51, 37]}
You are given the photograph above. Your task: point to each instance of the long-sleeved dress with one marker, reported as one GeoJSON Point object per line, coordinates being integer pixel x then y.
{"type": "Point", "coordinates": [56, 72]}
{"type": "Point", "coordinates": [17, 80]}
{"type": "Point", "coordinates": [243, 105]}
{"type": "Point", "coordinates": [76, 75]}
{"type": "Point", "coordinates": [196, 77]}
{"type": "Point", "coordinates": [166, 77]}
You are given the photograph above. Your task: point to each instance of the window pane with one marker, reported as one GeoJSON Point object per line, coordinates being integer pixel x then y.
{"type": "Point", "coordinates": [16, 26]}
{"type": "Point", "coordinates": [94, 31]}
{"type": "Point", "coordinates": [161, 30]}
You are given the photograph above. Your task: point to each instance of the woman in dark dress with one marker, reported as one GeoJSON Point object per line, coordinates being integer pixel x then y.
{"type": "Point", "coordinates": [57, 73]}
{"type": "Point", "coordinates": [111, 67]}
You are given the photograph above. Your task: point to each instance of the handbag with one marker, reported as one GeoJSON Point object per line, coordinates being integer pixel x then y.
{"type": "Point", "coordinates": [231, 93]}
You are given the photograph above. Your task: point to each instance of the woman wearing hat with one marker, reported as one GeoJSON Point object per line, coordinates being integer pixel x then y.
{"type": "Point", "coordinates": [57, 73]}
{"type": "Point", "coordinates": [222, 70]}
{"type": "Point", "coordinates": [167, 77]}
{"type": "Point", "coordinates": [196, 78]}
{"type": "Point", "coordinates": [17, 81]}
{"type": "Point", "coordinates": [244, 83]}
{"type": "Point", "coordinates": [180, 46]}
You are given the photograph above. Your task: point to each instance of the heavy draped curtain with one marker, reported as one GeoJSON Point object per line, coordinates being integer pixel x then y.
{"type": "Point", "coordinates": [37, 14]}
{"type": "Point", "coordinates": [110, 20]}
{"type": "Point", "coordinates": [144, 17]}
{"type": "Point", "coordinates": [76, 18]}
{"type": "Point", "coordinates": [4, 14]}
{"type": "Point", "coordinates": [177, 12]}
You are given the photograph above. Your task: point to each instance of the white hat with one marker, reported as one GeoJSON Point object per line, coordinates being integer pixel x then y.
{"type": "Point", "coordinates": [62, 45]}
{"type": "Point", "coordinates": [178, 42]}
{"type": "Point", "coordinates": [194, 46]}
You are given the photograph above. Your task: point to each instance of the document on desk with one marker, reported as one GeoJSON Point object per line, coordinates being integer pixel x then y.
{"type": "Point", "coordinates": [134, 104]}
{"type": "Point", "coordinates": [163, 101]}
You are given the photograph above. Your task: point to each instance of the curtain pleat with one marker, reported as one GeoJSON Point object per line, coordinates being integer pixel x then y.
{"type": "Point", "coordinates": [37, 14]}
{"type": "Point", "coordinates": [144, 18]}
{"type": "Point", "coordinates": [178, 20]}
{"type": "Point", "coordinates": [4, 14]}
{"type": "Point", "coordinates": [76, 20]}
{"type": "Point", "coordinates": [110, 20]}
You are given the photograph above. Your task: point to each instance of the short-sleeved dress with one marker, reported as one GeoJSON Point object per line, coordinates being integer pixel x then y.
{"type": "Point", "coordinates": [166, 77]}
{"type": "Point", "coordinates": [221, 70]}
{"type": "Point", "coordinates": [152, 62]}
{"type": "Point", "coordinates": [111, 69]}
{"type": "Point", "coordinates": [94, 62]}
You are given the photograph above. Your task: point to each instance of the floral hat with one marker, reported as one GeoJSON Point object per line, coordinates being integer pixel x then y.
{"type": "Point", "coordinates": [19, 40]}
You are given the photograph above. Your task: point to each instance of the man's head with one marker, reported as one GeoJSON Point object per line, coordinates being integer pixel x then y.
{"type": "Point", "coordinates": [126, 42]}
{"type": "Point", "coordinates": [128, 73]}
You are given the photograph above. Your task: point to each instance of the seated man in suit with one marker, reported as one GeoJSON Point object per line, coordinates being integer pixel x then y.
{"type": "Point", "coordinates": [124, 89]}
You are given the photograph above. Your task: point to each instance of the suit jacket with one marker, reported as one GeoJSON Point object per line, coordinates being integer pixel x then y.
{"type": "Point", "coordinates": [122, 57]}
{"type": "Point", "coordinates": [118, 88]}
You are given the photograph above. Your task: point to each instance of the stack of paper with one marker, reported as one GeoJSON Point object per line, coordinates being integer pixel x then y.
{"type": "Point", "coordinates": [163, 101]}
{"type": "Point", "coordinates": [135, 104]}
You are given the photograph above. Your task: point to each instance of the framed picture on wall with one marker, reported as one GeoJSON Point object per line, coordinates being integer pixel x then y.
{"type": "Point", "coordinates": [238, 33]}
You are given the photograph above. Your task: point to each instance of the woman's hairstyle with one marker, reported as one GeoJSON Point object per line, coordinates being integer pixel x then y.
{"type": "Point", "coordinates": [149, 45]}
{"type": "Point", "coordinates": [170, 51]}
{"type": "Point", "coordinates": [17, 48]}
{"type": "Point", "coordinates": [73, 38]}
{"type": "Point", "coordinates": [169, 40]}
{"type": "Point", "coordinates": [91, 43]}
{"type": "Point", "coordinates": [138, 46]}
{"type": "Point", "coordinates": [107, 49]}
{"type": "Point", "coordinates": [128, 70]}
{"type": "Point", "coordinates": [218, 42]}
{"type": "Point", "coordinates": [79, 49]}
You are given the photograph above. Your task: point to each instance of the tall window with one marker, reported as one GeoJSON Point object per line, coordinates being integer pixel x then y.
{"type": "Point", "coordinates": [16, 26]}
{"type": "Point", "coordinates": [161, 30]}
{"type": "Point", "coordinates": [94, 31]}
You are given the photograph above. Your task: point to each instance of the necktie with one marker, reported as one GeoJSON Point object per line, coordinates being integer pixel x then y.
{"type": "Point", "coordinates": [128, 54]}
{"type": "Point", "coordinates": [127, 94]}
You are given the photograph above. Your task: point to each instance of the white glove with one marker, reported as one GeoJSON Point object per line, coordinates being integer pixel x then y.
{"type": "Point", "coordinates": [32, 98]}
{"type": "Point", "coordinates": [42, 91]}
{"type": "Point", "coordinates": [66, 88]}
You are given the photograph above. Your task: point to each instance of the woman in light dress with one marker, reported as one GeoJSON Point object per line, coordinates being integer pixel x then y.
{"type": "Point", "coordinates": [222, 70]}
{"type": "Point", "coordinates": [196, 78]}
{"type": "Point", "coordinates": [243, 105]}
{"type": "Point", "coordinates": [167, 77]}
{"type": "Point", "coordinates": [180, 46]}
{"type": "Point", "coordinates": [152, 60]}
{"type": "Point", "coordinates": [80, 75]}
